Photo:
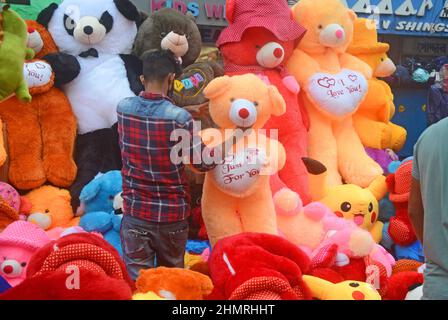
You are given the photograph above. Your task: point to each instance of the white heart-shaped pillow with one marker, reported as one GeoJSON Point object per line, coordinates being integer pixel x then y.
{"type": "Point", "coordinates": [338, 94]}
{"type": "Point", "coordinates": [37, 73]}
{"type": "Point", "coordinates": [239, 174]}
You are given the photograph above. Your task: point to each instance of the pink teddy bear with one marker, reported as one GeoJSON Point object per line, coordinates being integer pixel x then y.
{"type": "Point", "coordinates": [18, 242]}
{"type": "Point", "coordinates": [315, 227]}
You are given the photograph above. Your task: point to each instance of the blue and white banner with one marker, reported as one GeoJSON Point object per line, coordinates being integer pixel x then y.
{"type": "Point", "coordinates": [405, 17]}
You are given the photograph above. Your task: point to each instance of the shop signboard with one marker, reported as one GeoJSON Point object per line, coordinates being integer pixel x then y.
{"type": "Point", "coordinates": [211, 13]}
{"type": "Point", "coordinates": [433, 47]}
{"type": "Point", "coordinates": [427, 18]}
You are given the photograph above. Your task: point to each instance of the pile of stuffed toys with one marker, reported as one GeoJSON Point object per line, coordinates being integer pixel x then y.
{"type": "Point", "coordinates": [320, 214]}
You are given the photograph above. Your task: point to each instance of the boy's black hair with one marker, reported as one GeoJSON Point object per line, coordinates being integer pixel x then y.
{"type": "Point", "coordinates": [158, 64]}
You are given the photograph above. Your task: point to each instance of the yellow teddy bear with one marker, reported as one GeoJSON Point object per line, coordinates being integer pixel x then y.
{"type": "Point", "coordinates": [348, 200]}
{"type": "Point", "coordinates": [372, 120]}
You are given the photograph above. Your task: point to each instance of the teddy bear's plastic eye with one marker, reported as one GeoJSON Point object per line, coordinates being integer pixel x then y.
{"type": "Point", "coordinates": [47, 211]}
{"type": "Point", "coordinates": [257, 46]}
{"type": "Point", "coordinates": [162, 35]}
{"type": "Point", "coordinates": [111, 198]}
{"type": "Point", "coordinates": [370, 207]}
{"type": "Point", "coordinates": [232, 99]}
{"type": "Point", "coordinates": [23, 264]}
{"type": "Point", "coordinates": [256, 103]}
{"type": "Point", "coordinates": [354, 285]}
{"type": "Point", "coordinates": [320, 26]}
{"type": "Point", "coordinates": [346, 207]}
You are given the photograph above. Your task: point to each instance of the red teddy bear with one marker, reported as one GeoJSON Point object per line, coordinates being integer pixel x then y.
{"type": "Point", "coordinates": [255, 266]}
{"type": "Point", "coordinates": [260, 39]}
{"type": "Point", "coordinates": [399, 185]}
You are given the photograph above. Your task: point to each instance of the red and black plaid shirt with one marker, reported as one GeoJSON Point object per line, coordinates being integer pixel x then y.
{"type": "Point", "coordinates": [154, 188]}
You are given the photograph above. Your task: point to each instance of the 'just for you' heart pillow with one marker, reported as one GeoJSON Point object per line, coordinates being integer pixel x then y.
{"type": "Point", "coordinates": [338, 94]}
{"type": "Point", "coordinates": [239, 173]}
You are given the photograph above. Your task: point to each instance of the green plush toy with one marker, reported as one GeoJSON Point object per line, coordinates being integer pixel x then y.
{"type": "Point", "coordinates": [13, 52]}
{"type": "Point", "coordinates": [32, 10]}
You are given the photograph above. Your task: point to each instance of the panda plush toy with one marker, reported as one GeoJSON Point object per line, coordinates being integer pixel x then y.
{"type": "Point", "coordinates": [96, 70]}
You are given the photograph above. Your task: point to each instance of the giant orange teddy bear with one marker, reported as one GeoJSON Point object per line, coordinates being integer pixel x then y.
{"type": "Point", "coordinates": [372, 120]}
{"type": "Point", "coordinates": [40, 134]}
{"type": "Point", "coordinates": [237, 197]}
{"type": "Point", "coordinates": [333, 83]}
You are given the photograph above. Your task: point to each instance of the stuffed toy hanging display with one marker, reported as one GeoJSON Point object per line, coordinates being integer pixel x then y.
{"type": "Point", "coordinates": [260, 39]}
{"type": "Point", "coordinates": [237, 197]}
{"type": "Point", "coordinates": [96, 71]}
{"type": "Point", "coordinates": [372, 120]}
{"type": "Point", "coordinates": [333, 84]}
{"type": "Point", "coordinates": [41, 134]}
{"type": "Point", "coordinates": [13, 52]}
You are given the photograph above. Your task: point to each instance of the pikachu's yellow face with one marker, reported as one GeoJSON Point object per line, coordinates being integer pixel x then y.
{"type": "Point", "coordinates": [353, 203]}
{"type": "Point", "coordinates": [354, 290]}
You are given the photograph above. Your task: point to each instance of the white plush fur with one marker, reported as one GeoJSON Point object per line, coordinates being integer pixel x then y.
{"type": "Point", "coordinates": [96, 92]}
{"type": "Point", "coordinates": [102, 82]}
{"type": "Point", "coordinates": [119, 40]}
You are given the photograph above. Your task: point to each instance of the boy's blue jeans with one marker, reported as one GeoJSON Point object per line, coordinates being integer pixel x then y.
{"type": "Point", "coordinates": [143, 242]}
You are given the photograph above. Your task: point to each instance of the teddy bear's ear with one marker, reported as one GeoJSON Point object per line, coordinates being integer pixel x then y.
{"type": "Point", "coordinates": [90, 190]}
{"type": "Point", "coordinates": [352, 15]}
{"type": "Point", "coordinates": [277, 101]}
{"type": "Point", "coordinates": [46, 14]}
{"type": "Point", "coordinates": [190, 16]}
{"type": "Point", "coordinates": [217, 87]}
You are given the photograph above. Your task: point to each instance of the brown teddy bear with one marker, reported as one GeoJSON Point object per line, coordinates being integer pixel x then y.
{"type": "Point", "coordinates": [169, 29]}
{"type": "Point", "coordinates": [40, 134]}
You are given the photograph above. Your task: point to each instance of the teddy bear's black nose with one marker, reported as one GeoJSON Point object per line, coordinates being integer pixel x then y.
{"type": "Point", "coordinates": [88, 30]}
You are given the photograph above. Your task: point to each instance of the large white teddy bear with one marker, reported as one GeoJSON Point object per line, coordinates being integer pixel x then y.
{"type": "Point", "coordinates": [96, 70]}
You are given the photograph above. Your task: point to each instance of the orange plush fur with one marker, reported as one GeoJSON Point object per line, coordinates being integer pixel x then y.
{"type": "Point", "coordinates": [321, 58]}
{"type": "Point", "coordinates": [228, 212]}
{"type": "Point", "coordinates": [372, 120]}
{"type": "Point", "coordinates": [40, 134]}
{"type": "Point", "coordinates": [174, 283]}
{"type": "Point", "coordinates": [54, 204]}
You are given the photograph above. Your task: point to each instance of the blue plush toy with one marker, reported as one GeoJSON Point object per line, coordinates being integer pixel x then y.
{"type": "Point", "coordinates": [108, 224]}
{"type": "Point", "coordinates": [99, 194]}
{"type": "Point", "coordinates": [102, 202]}
{"type": "Point", "coordinates": [413, 252]}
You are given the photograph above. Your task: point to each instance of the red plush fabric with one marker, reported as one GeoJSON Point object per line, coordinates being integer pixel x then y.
{"type": "Point", "coordinates": [399, 185]}
{"type": "Point", "coordinates": [102, 274]}
{"type": "Point", "coordinates": [240, 58]}
{"type": "Point", "coordinates": [400, 284]}
{"type": "Point", "coordinates": [52, 286]}
{"type": "Point", "coordinates": [245, 257]}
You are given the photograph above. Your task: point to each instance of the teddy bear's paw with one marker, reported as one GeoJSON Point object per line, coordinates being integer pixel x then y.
{"type": "Point", "coordinates": [361, 173]}
{"type": "Point", "coordinates": [24, 176]}
{"type": "Point", "coordinates": [61, 170]}
{"type": "Point", "coordinates": [398, 139]}
{"type": "Point", "coordinates": [386, 137]}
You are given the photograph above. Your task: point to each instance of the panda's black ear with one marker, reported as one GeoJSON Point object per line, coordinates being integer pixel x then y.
{"type": "Point", "coordinates": [45, 15]}
{"type": "Point", "coordinates": [128, 10]}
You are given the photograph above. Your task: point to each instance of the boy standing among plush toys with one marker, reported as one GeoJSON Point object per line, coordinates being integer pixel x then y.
{"type": "Point", "coordinates": [155, 191]}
